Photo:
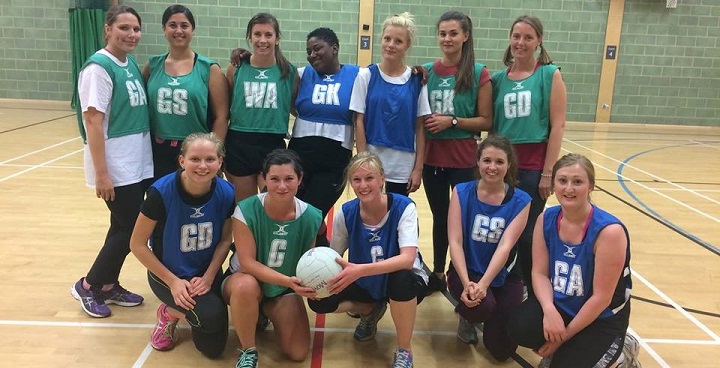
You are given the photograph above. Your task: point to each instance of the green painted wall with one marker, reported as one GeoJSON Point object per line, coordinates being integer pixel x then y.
{"type": "Point", "coordinates": [668, 62]}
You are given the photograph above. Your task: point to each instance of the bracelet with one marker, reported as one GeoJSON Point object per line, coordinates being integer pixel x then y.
{"type": "Point", "coordinates": [546, 175]}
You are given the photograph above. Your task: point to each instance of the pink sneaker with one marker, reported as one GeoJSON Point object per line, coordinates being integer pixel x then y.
{"type": "Point", "coordinates": [164, 336]}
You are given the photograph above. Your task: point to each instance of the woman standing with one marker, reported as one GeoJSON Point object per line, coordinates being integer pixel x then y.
{"type": "Point", "coordinates": [271, 231]}
{"type": "Point", "coordinates": [580, 312]}
{"type": "Point", "coordinates": [262, 95]}
{"type": "Point", "coordinates": [529, 103]}
{"type": "Point", "coordinates": [188, 92]}
{"type": "Point", "coordinates": [323, 130]}
{"type": "Point", "coordinates": [390, 102]}
{"type": "Point", "coordinates": [380, 232]}
{"type": "Point", "coordinates": [186, 217]}
{"type": "Point", "coordinates": [118, 154]}
{"type": "Point", "coordinates": [461, 103]}
{"type": "Point", "coordinates": [486, 218]}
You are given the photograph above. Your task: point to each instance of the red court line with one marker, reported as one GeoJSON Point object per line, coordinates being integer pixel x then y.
{"type": "Point", "coordinates": [319, 336]}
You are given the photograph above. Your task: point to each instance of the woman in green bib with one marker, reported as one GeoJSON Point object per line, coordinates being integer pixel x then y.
{"type": "Point", "coordinates": [262, 95]}
{"type": "Point", "coordinates": [461, 103]}
{"type": "Point", "coordinates": [529, 101]}
{"type": "Point", "coordinates": [271, 231]}
{"type": "Point", "coordinates": [118, 156]}
{"type": "Point", "coordinates": [188, 92]}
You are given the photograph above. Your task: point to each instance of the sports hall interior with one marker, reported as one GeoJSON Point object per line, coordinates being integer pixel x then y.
{"type": "Point", "coordinates": [643, 81]}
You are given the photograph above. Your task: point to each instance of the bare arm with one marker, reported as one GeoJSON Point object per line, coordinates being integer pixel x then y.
{"type": "Point", "coordinates": [220, 100]}
{"type": "Point", "coordinates": [455, 239]}
{"type": "Point", "coordinates": [144, 227]}
{"type": "Point", "coordinates": [416, 174]}
{"type": "Point", "coordinates": [507, 242]}
{"type": "Point", "coordinates": [610, 250]}
{"type": "Point", "coordinates": [558, 108]}
{"type": "Point", "coordinates": [360, 139]}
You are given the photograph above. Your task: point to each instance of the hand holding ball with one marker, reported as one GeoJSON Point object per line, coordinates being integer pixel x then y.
{"type": "Point", "coordinates": [316, 267]}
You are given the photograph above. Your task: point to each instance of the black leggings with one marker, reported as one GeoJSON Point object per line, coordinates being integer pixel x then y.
{"type": "Point", "coordinates": [208, 320]}
{"type": "Point", "coordinates": [403, 285]}
{"type": "Point", "coordinates": [529, 181]}
{"type": "Point", "coordinates": [438, 183]}
{"type": "Point", "coordinates": [123, 214]}
{"type": "Point", "coordinates": [597, 345]}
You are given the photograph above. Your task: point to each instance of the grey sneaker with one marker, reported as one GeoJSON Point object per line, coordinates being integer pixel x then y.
{"type": "Point", "coordinates": [466, 332]}
{"type": "Point", "coordinates": [92, 302]}
{"type": "Point", "coordinates": [402, 359]}
{"type": "Point", "coordinates": [367, 328]}
{"type": "Point", "coordinates": [631, 349]}
{"type": "Point", "coordinates": [120, 296]}
{"type": "Point", "coordinates": [545, 362]}
{"type": "Point", "coordinates": [248, 359]}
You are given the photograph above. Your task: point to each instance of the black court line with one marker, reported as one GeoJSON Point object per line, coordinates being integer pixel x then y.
{"type": "Point", "coordinates": [684, 234]}
{"type": "Point", "coordinates": [662, 304]}
{"type": "Point", "coordinates": [34, 124]}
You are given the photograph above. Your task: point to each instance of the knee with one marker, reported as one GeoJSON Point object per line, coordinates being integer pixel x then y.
{"type": "Point", "coordinates": [242, 287]}
{"type": "Point", "coordinates": [401, 286]}
{"type": "Point", "coordinates": [326, 305]}
{"type": "Point", "coordinates": [297, 353]}
{"type": "Point", "coordinates": [213, 351]}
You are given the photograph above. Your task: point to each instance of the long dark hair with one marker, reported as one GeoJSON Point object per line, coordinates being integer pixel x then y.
{"type": "Point", "coordinates": [535, 23]}
{"type": "Point", "coordinates": [267, 18]}
{"type": "Point", "coordinates": [465, 76]}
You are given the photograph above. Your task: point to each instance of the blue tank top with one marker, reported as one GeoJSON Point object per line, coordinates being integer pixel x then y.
{"type": "Point", "coordinates": [391, 111]}
{"type": "Point", "coordinates": [191, 233]}
{"type": "Point", "coordinates": [365, 246]}
{"type": "Point", "coordinates": [326, 98]}
{"type": "Point", "coordinates": [572, 266]}
{"type": "Point", "coordinates": [483, 225]}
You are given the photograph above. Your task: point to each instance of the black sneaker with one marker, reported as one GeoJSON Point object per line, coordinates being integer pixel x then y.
{"type": "Point", "coordinates": [436, 283]}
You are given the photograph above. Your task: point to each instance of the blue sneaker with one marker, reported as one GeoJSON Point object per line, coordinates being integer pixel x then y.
{"type": "Point", "coordinates": [91, 302]}
{"type": "Point", "coordinates": [120, 296]}
{"type": "Point", "coordinates": [367, 328]}
{"type": "Point", "coordinates": [402, 359]}
{"type": "Point", "coordinates": [248, 359]}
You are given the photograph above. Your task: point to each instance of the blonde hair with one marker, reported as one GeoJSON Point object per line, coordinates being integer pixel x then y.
{"type": "Point", "coordinates": [404, 20]}
{"type": "Point", "coordinates": [372, 160]}
{"type": "Point", "coordinates": [210, 137]}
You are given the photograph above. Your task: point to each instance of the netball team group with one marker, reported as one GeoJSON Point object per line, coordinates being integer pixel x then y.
{"type": "Point", "coordinates": [179, 151]}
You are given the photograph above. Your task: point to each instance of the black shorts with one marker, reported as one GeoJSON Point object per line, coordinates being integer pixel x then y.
{"type": "Point", "coordinates": [246, 152]}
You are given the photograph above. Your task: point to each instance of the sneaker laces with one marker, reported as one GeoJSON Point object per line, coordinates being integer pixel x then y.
{"type": "Point", "coordinates": [248, 359]}
{"type": "Point", "coordinates": [169, 329]}
{"type": "Point", "coordinates": [403, 359]}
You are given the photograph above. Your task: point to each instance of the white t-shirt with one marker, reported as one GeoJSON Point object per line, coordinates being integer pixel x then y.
{"type": "Point", "coordinates": [398, 164]}
{"type": "Point", "coordinates": [407, 234]}
{"type": "Point", "coordinates": [341, 133]}
{"type": "Point", "coordinates": [128, 158]}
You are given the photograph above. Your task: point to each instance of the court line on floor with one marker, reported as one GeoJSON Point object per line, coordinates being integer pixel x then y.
{"type": "Point", "coordinates": [39, 166]}
{"type": "Point", "coordinates": [143, 356]}
{"type": "Point", "coordinates": [677, 306]}
{"type": "Point", "coordinates": [653, 176]}
{"type": "Point", "coordinates": [45, 167]}
{"type": "Point", "coordinates": [36, 123]}
{"type": "Point", "coordinates": [38, 151]}
{"type": "Point", "coordinates": [649, 349]}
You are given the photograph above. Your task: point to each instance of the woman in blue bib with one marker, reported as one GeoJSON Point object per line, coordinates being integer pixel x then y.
{"type": "Point", "coordinates": [580, 312]}
{"type": "Point", "coordinates": [485, 220]}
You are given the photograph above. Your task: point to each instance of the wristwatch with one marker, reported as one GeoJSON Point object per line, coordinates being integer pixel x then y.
{"type": "Point", "coordinates": [454, 122]}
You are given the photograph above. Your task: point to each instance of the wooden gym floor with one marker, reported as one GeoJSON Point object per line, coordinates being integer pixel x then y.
{"type": "Point", "coordinates": [662, 181]}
